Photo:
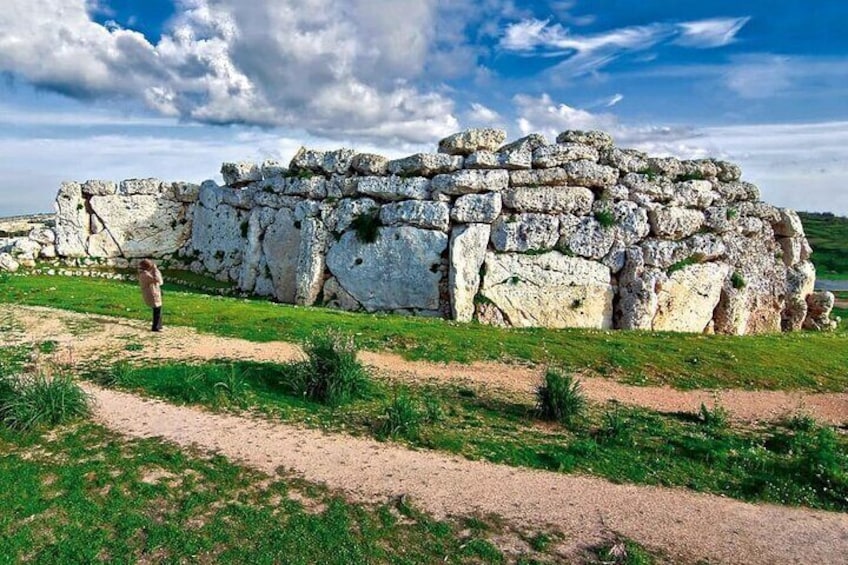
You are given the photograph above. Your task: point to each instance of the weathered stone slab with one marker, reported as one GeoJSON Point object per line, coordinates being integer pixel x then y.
{"type": "Point", "coordinates": [469, 141]}
{"type": "Point", "coordinates": [417, 213]}
{"type": "Point", "coordinates": [347, 210]}
{"type": "Point", "coordinates": [685, 303]}
{"type": "Point", "coordinates": [593, 138]}
{"type": "Point", "coordinates": [395, 188]}
{"type": "Point", "coordinates": [99, 188]}
{"type": "Point", "coordinates": [471, 181]}
{"type": "Point", "coordinates": [281, 248]}
{"type": "Point", "coordinates": [132, 187]}
{"type": "Point", "coordinates": [241, 173]}
{"type": "Point", "coordinates": [477, 208]}
{"type": "Point", "coordinates": [549, 290]}
{"type": "Point", "coordinates": [674, 222]}
{"type": "Point", "coordinates": [309, 279]}
{"type": "Point", "coordinates": [553, 200]}
{"type": "Point", "coordinates": [467, 253]}
{"type": "Point", "coordinates": [525, 232]}
{"type": "Point", "coordinates": [425, 165]}
{"type": "Point", "coordinates": [588, 238]}
{"type": "Point", "coordinates": [398, 271]}
{"type": "Point", "coordinates": [557, 155]}
{"type": "Point", "coordinates": [370, 164]}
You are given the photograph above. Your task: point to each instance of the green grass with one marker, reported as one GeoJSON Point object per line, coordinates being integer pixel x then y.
{"type": "Point", "coordinates": [30, 402]}
{"type": "Point", "coordinates": [644, 358]}
{"type": "Point", "coordinates": [795, 463]}
{"type": "Point", "coordinates": [88, 496]}
{"type": "Point", "coordinates": [828, 236]}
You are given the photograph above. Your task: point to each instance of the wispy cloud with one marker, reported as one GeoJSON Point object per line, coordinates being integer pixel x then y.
{"type": "Point", "coordinates": [588, 53]}
{"type": "Point", "coordinates": [705, 34]}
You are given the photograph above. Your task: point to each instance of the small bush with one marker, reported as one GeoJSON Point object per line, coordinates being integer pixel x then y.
{"type": "Point", "coordinates": [331, 374]}
{"type": "Point", "coordinates": [401, 417]}
{"type": "Point", "coordinates": [35, 401]}
{"type": "Point", "coordinates": [48, 347]}
{"type": "Point", "coordinates": [606, 218]}
{"type": "Point", "coordinates": [560, 398]}
{"type": "Point", "coordinates": [680, 265]}
{"type": "Point", "coordinates": [367, 226]}
{"type": "Point", "coordinates": [737, 280]}
{"type": "Point", "coordinates": [715, 419]}
{"type": "Point", "coordinates": [614, 427]}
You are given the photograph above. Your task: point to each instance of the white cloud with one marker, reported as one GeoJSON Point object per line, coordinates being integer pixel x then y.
{"type": "Point", "coordinates": [543, 115]}
{"type": "Point", "coordinates": [481, 115]}
{"type": "Point", "coordinates": [614, 99]}
{"type": "Point", "coordinates": [715, 32]}
{"type": "Point", "coordinates": [588, 53]}
{"type": "Point", "coordinates": [328, 66]}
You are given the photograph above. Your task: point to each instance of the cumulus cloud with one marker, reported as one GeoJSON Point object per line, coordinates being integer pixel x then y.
{"type": "Point", "coordinates": [588, 53]}
{"type": "Point", "coordinates": [329, 66]}
{"type": "Point", "coordinates": [481, 115]}
{"type": "Point", "coordinates": [542, 115]}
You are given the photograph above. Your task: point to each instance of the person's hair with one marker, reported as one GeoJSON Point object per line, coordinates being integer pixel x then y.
{"type": "Point", "coordinates": [145, 264]}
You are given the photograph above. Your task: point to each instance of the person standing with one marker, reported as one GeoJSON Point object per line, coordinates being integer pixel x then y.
{"type": "Point", "coordinates": [151, 281]}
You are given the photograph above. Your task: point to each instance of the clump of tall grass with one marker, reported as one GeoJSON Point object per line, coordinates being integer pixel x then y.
{"type": "Point", "coordinates": [331, 373]}
{"type": "Point", "coordinates": [401, 417]}
{"type": "Point", "coordinates": [560, 398]}
{"type": "Point", "coordinates": [28, 402]}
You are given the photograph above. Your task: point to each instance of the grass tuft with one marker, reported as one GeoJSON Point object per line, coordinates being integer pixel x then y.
{"type": "Point", "coordinates": [35, 401]}
{"type": "Point", "coordinates": [560, 398]}
{"type": "Point", "coordinates": [331, 374]}
{"type": "Point", "coordinates": [401, 417]}
{"type": "Point", "coordinates": [367, 226]}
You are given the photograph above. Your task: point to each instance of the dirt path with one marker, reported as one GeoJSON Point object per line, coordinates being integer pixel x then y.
{"type": "Point", "coordinates": [687, 526]}
{"type": "Point", "coordinates": [83, 338]}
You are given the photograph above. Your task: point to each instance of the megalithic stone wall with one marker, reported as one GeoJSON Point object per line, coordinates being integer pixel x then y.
{"type": "Point", "coordinates": [577, 233]}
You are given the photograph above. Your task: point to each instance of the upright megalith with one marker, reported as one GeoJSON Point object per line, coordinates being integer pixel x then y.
{"type": "Point", "coordinates": [574, 233]}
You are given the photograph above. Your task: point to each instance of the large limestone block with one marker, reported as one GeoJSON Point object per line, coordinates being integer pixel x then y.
{"type": "Point", "coordinates": [626, 160]}
{"type": "Point", "coordinates": [512, 161]}
{"type": "Point", "coordinates": [728, 172]}
{"type": "Point", "coordinates": [800, 283]}
{"type": "Point", "coordinates": [312, 187]}
{"type": "Point", "coordinates": [667, 166]}
{"type": "Point", "coordinates": [239, 197]}
{"type": "Point", "coordinates": [218, 232]}
{"type": "Point", "coordinates": [260, 219]}
{"type": "Point", "coordinates": [322, 162]}
{"type": "Point", "coordinates": [525, 232]}
{"type": "Point", "coordinates": [401, 270]}
{"type": "Point", "coordinates": [467, 253]}
{"type": "Point", "coordinates": [549, 290]}
{"type": "Point", "coordinates": [99, 187]}
{"type": "Point", "coordinates": [342, 216]}
{"type": "Point", "coordinates": [185, 192]}
{"type": "Point", "coordinates": [72, 221]}
{"type": "Point", "coordinates": [630, 220]}
{"type": "Point", "coordinates": [369, 164]}
{"type": "Point", "coordinates": [281, 248]}
{"type": "Point", "coordinates": [552, 200]}
{"type": "Point", "coordinates": [528, 143]}
{"type": "Point", "coordinates": [645, 189]}
{"type": "Point", "coordinates": [309, 278]}
{"type": "Point", "coordinates": [141, 225]}
{"type": "Point", "coordinates": [42, 235]}
{"type": "Point", "coordinates": [8, 263]}
{"type": "Point", "coordinates": [240, 174]}
{"type": "Point", "coordinates": [674, 222]}
{"type": "Point", "coordinates": [638, 285]}
{"type": "Point", "coordinates": [422, 214]}
{"type": "Point", "coordinates": [395, 188]}
{"type": "Point", "coordinates": [425, 165]}
{"type": "Point", "coordinates": [337, 297]}
{"type": "Point", "coordinates": [789, 225]}
{"type": "Point", "coordinates": [694, 194]}
{"type": "Point", "coordinates": [733, 311]}
{"type": "Point", "coordinates": [469, 141]}
{"type": "Point", "coordinates": [272, 168]}
{"type": "Point", "coordinates": [339, 186]}
{"type": "Point", "coordinates": [574, 173]}
{"type": "Point", "coordinates": [685, 303]}
{"type": "Point", "coordinates": [737, 191]}
{"type": "Point", "coordinates": [704, 169]}
{"type": "Point", "coordinates": [471, 181]}
{"type": "Point", "coordinates": [477, 208]}
{"type": "Point", "coordinates": [587, 238]}
{"type": "Point", "coordinates": [338, 161]}
{"type": "Point", "coordinates": [592, 138]}
{"type": "Point", "coordinates": [132, 187]}
{"type": "Point", "coordinates": [561, 153]}
{"type": "Point", "coordinates": [819, 307]}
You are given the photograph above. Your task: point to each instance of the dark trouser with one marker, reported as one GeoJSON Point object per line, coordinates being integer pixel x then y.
{"type": "Point", "coordinates": [157, 319]}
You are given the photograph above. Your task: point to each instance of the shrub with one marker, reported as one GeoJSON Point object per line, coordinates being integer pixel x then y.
{"type": "Point", "coordinates": [401, 417]}
{"type": "Point", "coordinates": [331, 374]}
{"type": "Point", "coordinates": [606, 218]}
{"type": "Point", "coordinates": [614, 426]}
{"type": "Point", "coordinates": [560, 398]}
{"type": "Point", "coordinates": [737, 280]}
{"type": "Point", "coordinates": [715, 419]}
{"type": "Point", "coordinates": [39, 400]}
{"type": "Point", "coordinates": [367, 226]}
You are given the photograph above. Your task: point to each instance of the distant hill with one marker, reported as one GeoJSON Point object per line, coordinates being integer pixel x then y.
{"type": "Point", "coordinates": [828, 234]}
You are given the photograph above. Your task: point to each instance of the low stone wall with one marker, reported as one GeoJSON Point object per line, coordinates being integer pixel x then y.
{"type": "Point", "coordinates": [577, 233]}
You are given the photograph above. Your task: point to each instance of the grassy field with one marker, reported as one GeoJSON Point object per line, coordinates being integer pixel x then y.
{"type": "Point", "coordinates": [797, 462]}
{"type": "Point", "coordinates": [78, 493]}
{"type": "Point", "coordinates": [802, 360]}
{"type": "Point", "coordinates": [828, 235]}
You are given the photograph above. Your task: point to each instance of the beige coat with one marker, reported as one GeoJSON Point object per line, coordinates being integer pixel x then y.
{"type": "Point", "coordinates": [151, 290]}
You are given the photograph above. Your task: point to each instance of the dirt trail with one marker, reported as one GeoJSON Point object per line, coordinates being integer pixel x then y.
{"type": "Point", "coordinates": [83, 338]}
{"type": "Point", "coordinates": [687, 526]}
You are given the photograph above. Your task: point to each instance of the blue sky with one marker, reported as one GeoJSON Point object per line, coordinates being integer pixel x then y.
{"type": "Point", "coordinates": [121, 88]}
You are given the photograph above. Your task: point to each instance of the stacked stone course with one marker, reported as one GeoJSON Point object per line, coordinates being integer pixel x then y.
{"type": "Point", "coordinates": [578, 233]}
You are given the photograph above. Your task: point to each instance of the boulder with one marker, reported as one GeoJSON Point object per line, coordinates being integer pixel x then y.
{"type": "Point", "coordinates": [674, 222]}
{"type": "Point", "coordinates": [557, 155]}
{"type": "Point", "coordinates": [477, 208]}
{"type": "Point", "coordinates": [638, 287]}
{"type": "Point", "coordinates": [525, 232]}
{"type": "Point", "coordinates": [425, 165]}
{"type": "Point", "coordinates": [694, 194]}
{"type": "Point", "coordinates": [512, 161]}
{"type": "Point", "coordinates": [309, 277]}
{"type": "Point", "coordinates": [686, 301]}
{"type": "Point", "coordinates": [800, 283]}
{"type": "Point", "coordinates": [337, 162]}
{"type": "Point", "coordinates": [339, 186]}
{"type": "Point", "coordinates": [395, 188]}
{"type": "Point", "coordinates": [469, 141]}
{"type": "Point", "coordinates": [588, 238]}
{"type": "Point", "coordinates": [819, 307]}
{"type": "Point", "coordinates": [347, 210]}
{"type": "Point", "coordinates": [42, 236]}
{"type": "Point", "coordinates": [625, 160]}
{"type": "Point", "coordinates": [252, 259]}
{"type": "Point", "coordinates": [422, 214]}
{"type": "Point", "coordinates": [467, 252]}
{"type": "Point", "coordinates": [281, 248]}
{"type": "Point", "coordinates": [736, 191]}
{"type": "Point", "coordinates": [401, 270]}
{"type": "Point", "coordinates": [337, 297]}
{"type": "Point", "coordinates": [728, 172]}
{"type": "Point", "coordinates": [592, 138]}
{"type": "Point", "coordinates": [310, 187]}
{"type": "Point", "coordinates": [185, 192]}
{"type": "Point", "coordinates": [667, 166]}
{"type": "Point", "coordinates": [549, 290]}
{"type": "Point", "coordinates": [146, 187]}
{"type": "Point", "coordinates": [72, 221]}
{"type": "Point", "coordinates": [590, 174]}
{"type": "Point", "coordinates": [8, 263]}
{"type": "Point", "coordinates": [552, 200]}
{"type": "Point", "coordinates": [369, 164]}
{"type": "Point", "coordinates": [241, 173]}
{"type": "Point", "coordinates": [789, 224]}
{"type": "Point", "coordinates": [699, 169]}
{"type": "Point", "coordinates": [272, 168]}
{"type": "Point", "coordinates": [527, 144]}
{"type": "Point", "coordinates": [99, 188]}
{"type": "Point", "coordinates": [470, 182]}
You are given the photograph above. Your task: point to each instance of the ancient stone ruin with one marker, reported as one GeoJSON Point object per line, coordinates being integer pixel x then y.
{"type": "Point", "coordinates": [578, 233]}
